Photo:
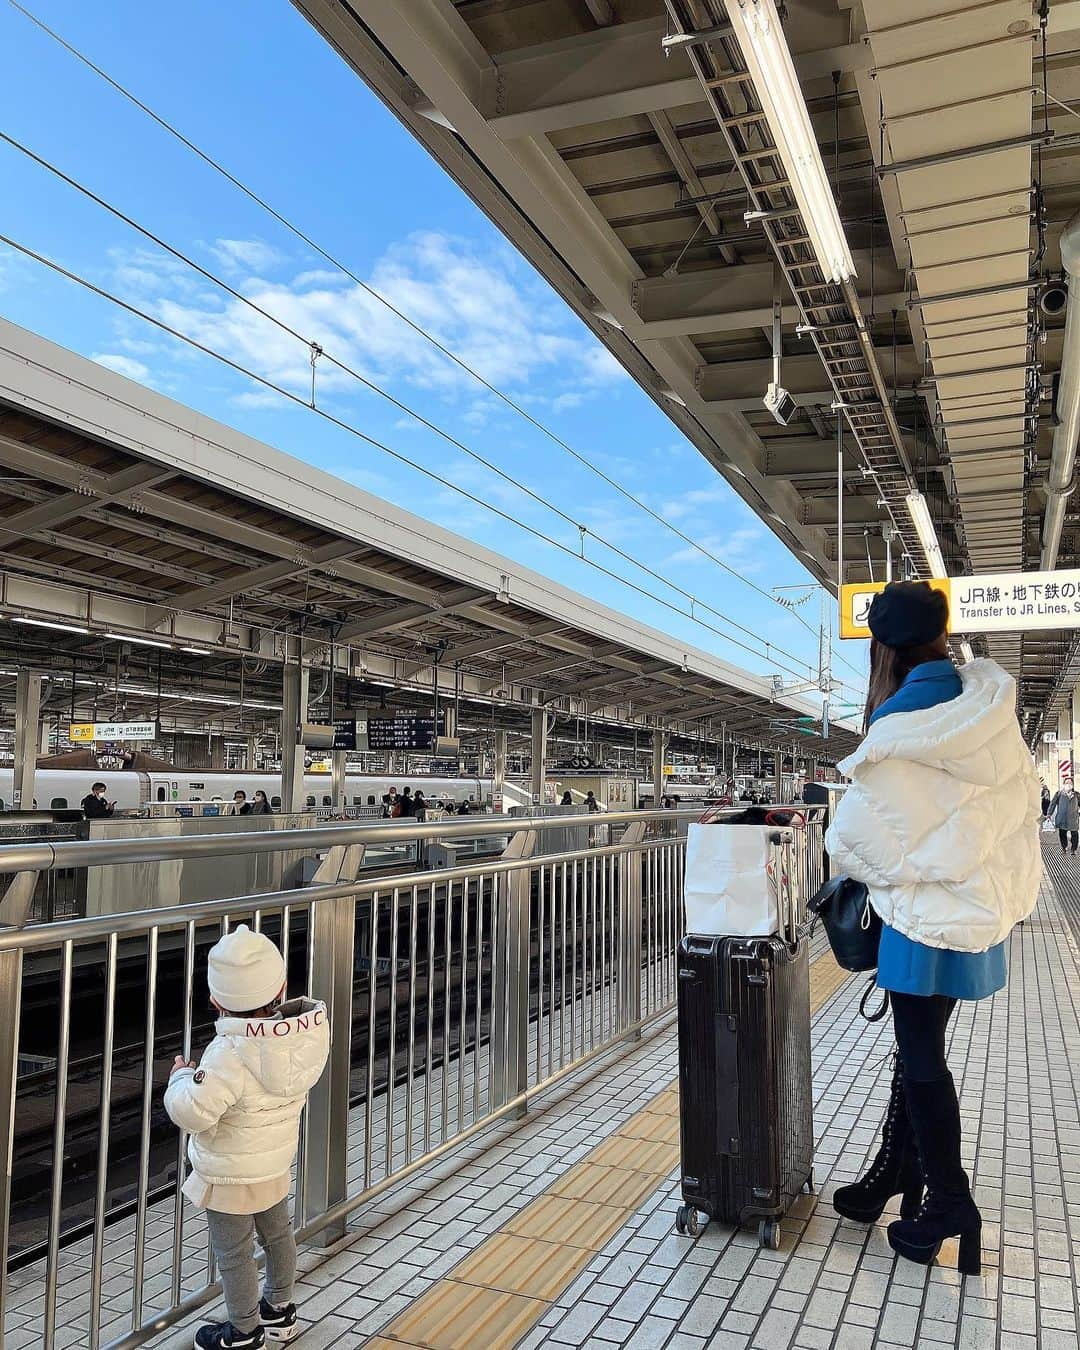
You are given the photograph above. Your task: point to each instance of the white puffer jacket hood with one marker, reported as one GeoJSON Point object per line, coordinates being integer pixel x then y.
{"type": "Point", "coordinates": [242, 1104]}
{"type": "Point", "coordinates": [942, 818]}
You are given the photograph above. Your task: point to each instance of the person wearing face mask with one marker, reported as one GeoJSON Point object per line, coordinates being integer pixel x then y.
{"type": "Point", "coordinates": [1064, 811]}
{"type": "Point", "coordinates": [94, 805]}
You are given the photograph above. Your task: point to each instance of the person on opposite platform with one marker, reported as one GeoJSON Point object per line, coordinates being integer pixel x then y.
{"type": "Point", "coordinates": [241, 1106]}
{"type": "Point", "coordinates": [941, 823]}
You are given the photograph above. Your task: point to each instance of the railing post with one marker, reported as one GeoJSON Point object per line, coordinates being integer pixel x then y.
{"type": "Point", "coordinates": [324, 1182]}
{"type": "Point", "coordinates": [10, 998]}
{"type": "Point", "coordinates": [630, 923]}
{"type": "Point", "coordinates": [513, 928]}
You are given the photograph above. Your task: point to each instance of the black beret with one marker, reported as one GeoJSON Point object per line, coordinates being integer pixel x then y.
{"type": "Point", "coordinates": [908, 614]}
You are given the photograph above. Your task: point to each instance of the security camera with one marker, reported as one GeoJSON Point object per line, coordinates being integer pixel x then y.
{"type": "Point", "coordinates": [780, 403]}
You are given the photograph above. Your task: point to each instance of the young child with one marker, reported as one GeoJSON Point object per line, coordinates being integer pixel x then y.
{"type": "Point", "coordinates": [242, 1106]}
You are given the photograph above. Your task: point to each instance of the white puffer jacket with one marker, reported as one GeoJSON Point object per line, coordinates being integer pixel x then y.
{"type": "Point", "coordinates": [242, 1104]}
{"type": "Point", "coordinates": [941, 821]}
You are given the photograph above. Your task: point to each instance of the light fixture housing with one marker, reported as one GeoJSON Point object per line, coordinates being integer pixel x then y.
{"type": "Point", "coordinates": [924, 528]}
{"type": "Point", "coordinates": [139, 641]}
{"type": "Point", "coordinates": [45, 623]}
{"type": "Point", "coordinates": [760, 36]}
{"type": "Point", "coordinates": [966, 651]}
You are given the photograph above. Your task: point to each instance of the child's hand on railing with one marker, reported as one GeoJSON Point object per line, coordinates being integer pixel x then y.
{"type": "Point", "coordinates": [181, 1063]}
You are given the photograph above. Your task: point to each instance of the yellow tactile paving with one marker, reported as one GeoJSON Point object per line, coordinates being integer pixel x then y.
{"type": "Point", "coordinates": [517, 1264]}
{"type": "Point", "coordinates": [656, 1128]}
{"type": "Point", "coordinates": [569, 1221]}
{"type": "Point", "coordinates": [501, 1289]}
{"type": "Point", "coordinates": [455, 1316]}
{"type": "Point", "coordinates": [635, 1155]}
{"type": "Point", "coordinates": [605, 1185]}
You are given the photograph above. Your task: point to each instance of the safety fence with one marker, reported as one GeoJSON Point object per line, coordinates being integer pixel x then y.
{"type": "Point", "coordinates": [453, 997]}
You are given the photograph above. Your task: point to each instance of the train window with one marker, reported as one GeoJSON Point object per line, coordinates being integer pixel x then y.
{"type": "Point", "coordinates": [371, 799]}
{"type": "Point", "coordinates": [58, 804]}
{"type": "Point", "coordinates": [161, 794]}
{"type": "Point", "coordinates": [327, 800]}
{"type": "Point", "coordinates": [357, 801]}
{"type": "Point", "coordinates": [217, 799]}
{"type": "Point", "coordinates": [310, 800]}
{"type": "Point", "coordinates": [275, 802]}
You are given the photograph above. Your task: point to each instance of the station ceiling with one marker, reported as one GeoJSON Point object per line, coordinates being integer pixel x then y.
{"type": "Point", "coordinates": [135, 526]}
{"type": "Point", "coordinates": [623, 171]}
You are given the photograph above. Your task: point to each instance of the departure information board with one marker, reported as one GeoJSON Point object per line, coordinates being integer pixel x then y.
{"type": "Point", "coordinates": [404, 731]}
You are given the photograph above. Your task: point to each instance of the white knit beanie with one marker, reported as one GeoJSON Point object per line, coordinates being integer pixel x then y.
{"type": "Point", "coordinates": [245, 970]}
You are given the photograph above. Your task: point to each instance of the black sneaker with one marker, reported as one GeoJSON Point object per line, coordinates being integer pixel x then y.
{"type": "Point", "coordinates": [279, 1324]}
{"type": "Point", "coordinates": [224, 1336]}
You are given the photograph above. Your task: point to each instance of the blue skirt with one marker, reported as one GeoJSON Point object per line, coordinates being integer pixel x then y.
{"type": "Point", "coordinates": [909, 967]}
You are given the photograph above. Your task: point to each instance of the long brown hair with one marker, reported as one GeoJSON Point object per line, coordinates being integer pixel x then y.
{"type": "Point", "coordinates": [890, 667]}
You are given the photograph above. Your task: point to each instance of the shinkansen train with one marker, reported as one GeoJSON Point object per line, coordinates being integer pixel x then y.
{"type": "Point", "coordinates": [63, 789]}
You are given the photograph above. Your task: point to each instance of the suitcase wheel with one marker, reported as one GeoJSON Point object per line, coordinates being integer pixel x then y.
{"type": "Point", "coordinates": [690, 1221]}
{"type": "Point", "coordinates": [769, 1234]}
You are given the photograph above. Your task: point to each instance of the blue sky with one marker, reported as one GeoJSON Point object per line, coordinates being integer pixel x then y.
{"type": "Point", "coordinates": [253, 84]}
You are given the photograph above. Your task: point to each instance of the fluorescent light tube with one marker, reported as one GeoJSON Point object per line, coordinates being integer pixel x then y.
{"type": "Point", "coordinates": [924, 528]}
{"type": "Point", "coordinates": [142, 642]}
{"type": "Point", "coordinates": [765, 50]}
{"type": "Point", "coordinates": [60, 627]}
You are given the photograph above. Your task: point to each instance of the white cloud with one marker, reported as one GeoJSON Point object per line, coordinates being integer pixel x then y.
{"type": "Point", "coordinates": [483, 305]}
{"type": "Point", "coordinates": [123, 365]}
{"type": "Point", "coordinates": [739, 549]}
{"type": "Point", "coordinates": [690, 502]}
{"type": "Point", "coordinates": [250, 255]}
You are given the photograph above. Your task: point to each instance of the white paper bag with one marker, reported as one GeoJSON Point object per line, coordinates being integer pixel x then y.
{"type": "Point", "coordinates": [730, 890]}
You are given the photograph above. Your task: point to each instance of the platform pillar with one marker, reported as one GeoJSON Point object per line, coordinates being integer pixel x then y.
{"type": "Point", "coordinates": [778, 776]}
{"type": "Point", "coordinates": [249, 756]}
{"type": "Point", "coordinates": [659, 755]}
{"type": "Point", "coordinates": [293, 713]}
{"type": "Point", "coordinates": [337, 779]}
{"type": "Point", "coordinates": [217, 752]}
{"type": "Point", "coordinates": [539, 755]}
{"type": "Point", "coordinates": [27, 712]}
{"type": "Point", "coordinates": [501, 738]}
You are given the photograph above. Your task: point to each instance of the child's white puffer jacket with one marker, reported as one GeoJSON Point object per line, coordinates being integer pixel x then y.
{"type": "Point", "coordinates": [941, 820]}
{"type": "Point", "coordinates": [242, 1104]}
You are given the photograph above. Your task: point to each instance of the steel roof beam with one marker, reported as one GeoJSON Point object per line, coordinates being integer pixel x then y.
{"type": "Point", "coordinates": [256, 578]}
{"type": "Point", "coordinates": [741, 384]}
{"type": "Point", "coordinates": [401, 616]}
{"type": "Point", "coordinates": [726, 299]}
{"type": "Point", "coordinates": [620, 71]}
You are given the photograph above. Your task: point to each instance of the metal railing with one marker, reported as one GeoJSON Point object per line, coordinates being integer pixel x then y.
{"type": "Point", "coordinates": [453, 997]}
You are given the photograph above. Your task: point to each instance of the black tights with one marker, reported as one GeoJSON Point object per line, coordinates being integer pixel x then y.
{"type": "Point", "coordinates": [920, 1021]}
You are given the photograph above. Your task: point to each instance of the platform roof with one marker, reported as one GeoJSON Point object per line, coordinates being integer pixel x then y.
{"type": "Point", "coordinates": [623, 171]}
{"type": "Point", "coordinates": [126, 513]}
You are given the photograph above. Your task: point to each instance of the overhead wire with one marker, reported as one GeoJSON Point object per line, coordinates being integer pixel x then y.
{"type": "Point", "coordinates": [370, 290]}
{"type": "Point", "coordinates": [352, 429]}
{"type": "Point", "coordinates": [323, 352]}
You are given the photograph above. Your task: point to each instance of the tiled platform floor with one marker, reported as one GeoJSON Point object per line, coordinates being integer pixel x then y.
{"type": "Point", "coordinates": [833, 1285]}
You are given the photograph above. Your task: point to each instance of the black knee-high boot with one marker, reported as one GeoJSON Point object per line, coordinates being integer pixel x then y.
{"type": "Point", "coordinates": [894, 1171]}
{"type": "Point", "coordinates": [948, 1209]}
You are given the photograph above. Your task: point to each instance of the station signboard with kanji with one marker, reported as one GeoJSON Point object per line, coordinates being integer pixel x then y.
{"type": "Point", "coordinates": [1000, 602]}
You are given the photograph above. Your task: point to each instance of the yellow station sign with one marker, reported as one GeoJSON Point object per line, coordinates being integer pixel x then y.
{"type": "Point", "coordinates": [856, 599]}
{"type": "Point", "coordinates": [1001, 602]}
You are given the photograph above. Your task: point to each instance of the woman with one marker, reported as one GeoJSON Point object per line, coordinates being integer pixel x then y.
{"type": "Point", "coordinates": [941, 824]}
{"type": "Point", "coordinates": [1064, 811]}
{"type": "Point", "coordinates": [419, 806]}
{"type": "Point", "coordinates": [261, 805]}
{"type": "Point", "coordinates": [567, 799]}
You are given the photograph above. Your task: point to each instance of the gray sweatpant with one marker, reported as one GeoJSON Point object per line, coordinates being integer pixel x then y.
{"type": "Point", "coordinates": [233, 1237]}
